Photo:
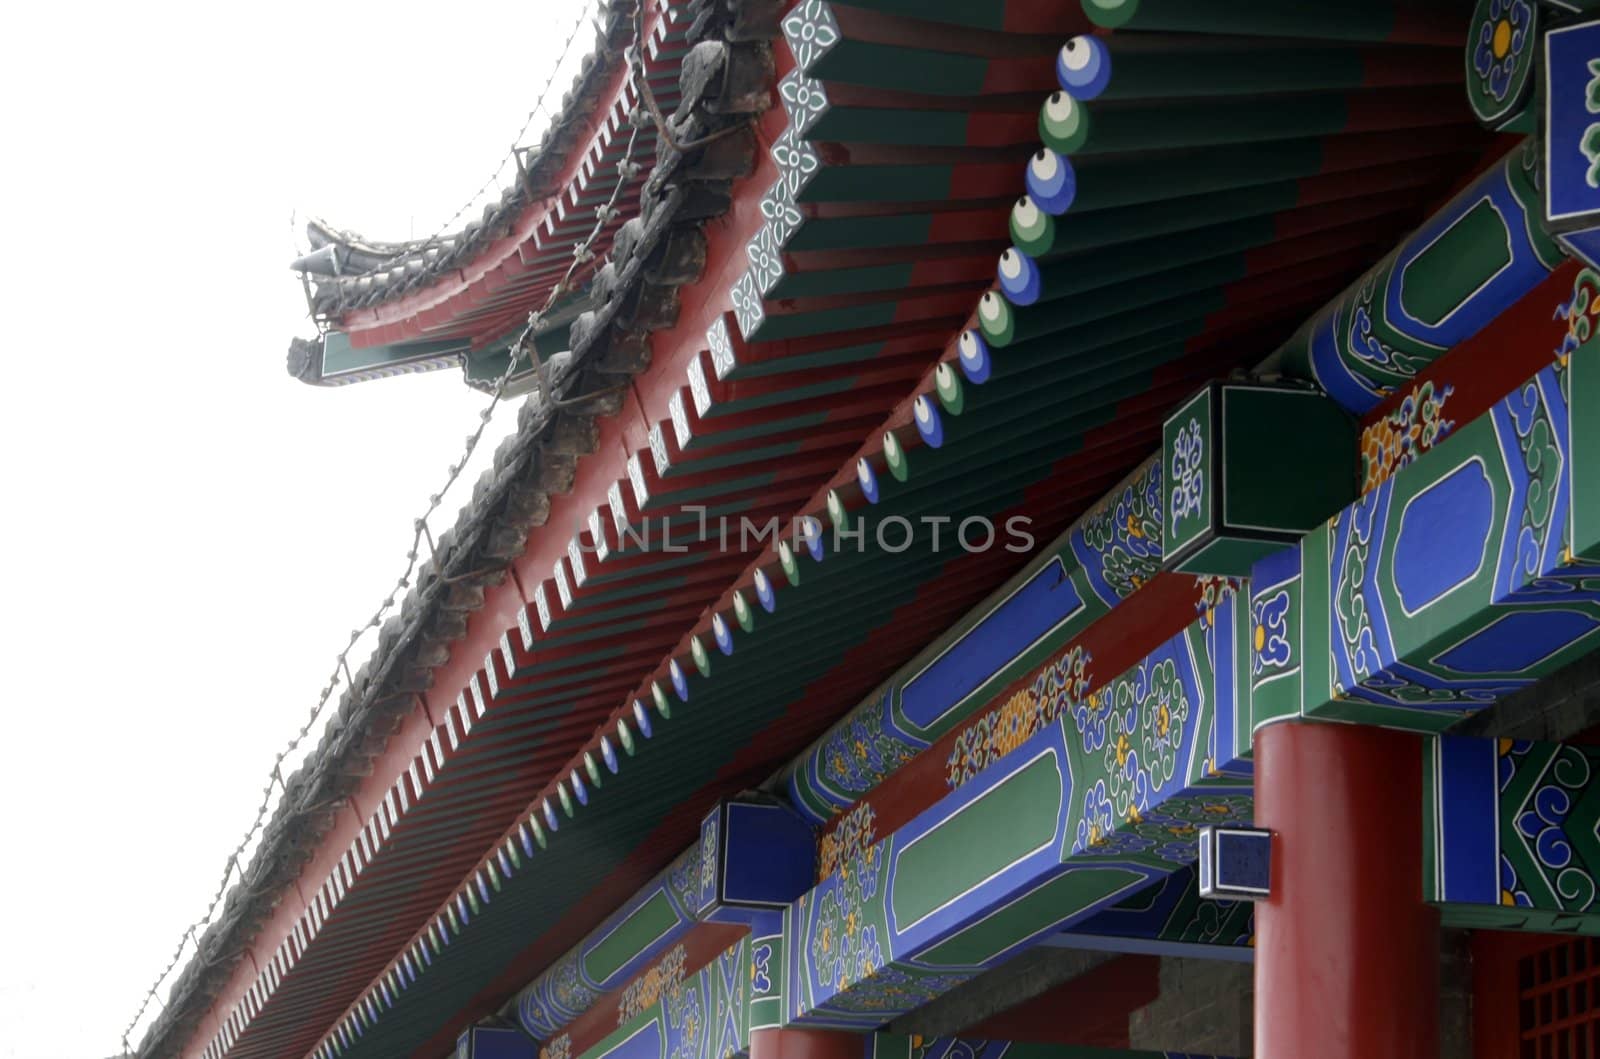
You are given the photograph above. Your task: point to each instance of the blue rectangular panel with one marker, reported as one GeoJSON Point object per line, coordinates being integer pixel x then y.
{"type": "Point", "coordinates": [1021, 620]}
{"type": "Point", "coordinates": [1468, 803]}
{"type": "Point", "coordinates": [1572, 122]}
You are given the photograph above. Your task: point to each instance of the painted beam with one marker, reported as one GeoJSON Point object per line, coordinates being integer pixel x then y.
{"type": "Point", "coordinates": [1510, 834]}
{"type": "Point", "coordinates": [897, 1046]}
{"type": "Point", "coordinates": [1454, 582]}
{"type": "Point", "coordinates": [1471, 261]}
{"type": "Point", "coordinates": [1091, 568]}
{"type": "Point", "coordinates": [1100, 803]}
{"type": "Point", "coordinates": [753, 857]}
{"type": "Point", "coordinates": [1092, 806]}
{"type": "Point", "coordinates": [706, 1015]}
{"type": "Point", "coordinates": [697, 948]}
{"type": "Point", "coordinates": [1551, 321]}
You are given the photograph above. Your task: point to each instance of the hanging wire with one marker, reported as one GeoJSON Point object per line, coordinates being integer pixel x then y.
{"type": "Point", "coordinates": [627, 170]}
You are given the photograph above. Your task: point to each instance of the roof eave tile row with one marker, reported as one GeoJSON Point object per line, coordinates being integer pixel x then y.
{"type": "Point", "coordinates": [636, 293]}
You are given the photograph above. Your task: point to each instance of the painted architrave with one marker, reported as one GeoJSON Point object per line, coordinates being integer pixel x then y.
{"type": "Point", "coordinates": [706, 1015]}
{"type": "Point", "coordinates": [1510, 832]}
{"type": "Point", "coordinates": [1451, 584]}
{"type": "Point", "coordinates": [897, 1046]}
{"type": "Point", "coordinates": [1469, 262]}
{"type": "Point", "coordinates": [753, 857]}
{"type": "Point", "coordinates": [1087, 571]}
{"type": "Point", "coordinates": [1098, 805]}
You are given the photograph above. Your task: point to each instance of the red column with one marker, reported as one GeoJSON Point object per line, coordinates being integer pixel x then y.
{"type": "Point", "coordinates": [1347, 955]}
{"type": "Point", "coordinates": [807, 1044]}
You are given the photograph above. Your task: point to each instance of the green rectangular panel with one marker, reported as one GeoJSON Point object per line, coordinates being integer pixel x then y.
{"type": "Point", "coordinates": [632, 936]}
{"type": "Point", "coordinates": [1000, 827]}
{"type": "Point", "coordinates": [1288, 460]}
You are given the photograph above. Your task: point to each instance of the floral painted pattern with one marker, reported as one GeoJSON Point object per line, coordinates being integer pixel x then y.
{"type": "Point", "coordinates": [1500, 48]}
{"type": "Point", "coordinates": [1270, 646]}
{"type": "Point", "coordinates": [686, 1018]}
{"type": "Point", "coordinates": [847, 841]}
{"type": "Point", "coordinates": [645, 991]}
{"type": "Point", "coordinates": [1147, 712]}
{"type": "Point", "coordinates": [1579, 312]}
{"type": "Point", "coordinates": [858, 755]}
{"type": "Point", "coordinates": [1214, 589]}
{"type": "Point", "coordinates": [1057, 689]}
{"type": "Point", "coordinates": [1396, 440]}
{"type": "Point", "coordinates": [845, 948]}
{"type": "Point", "coordinates": [810, 30]}
{"type": "Point", "coordinates": [1119, 543]}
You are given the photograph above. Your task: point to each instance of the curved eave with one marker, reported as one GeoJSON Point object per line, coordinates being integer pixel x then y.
{"type": "Point", "coordinates": [509, 265]}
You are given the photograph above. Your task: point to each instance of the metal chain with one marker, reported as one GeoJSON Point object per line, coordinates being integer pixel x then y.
{"type": "Point", "coordinates": [627, 170]}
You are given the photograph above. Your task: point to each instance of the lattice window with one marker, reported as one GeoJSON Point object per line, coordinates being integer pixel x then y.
{"type": "Point", "coordinates": [1559, 998]}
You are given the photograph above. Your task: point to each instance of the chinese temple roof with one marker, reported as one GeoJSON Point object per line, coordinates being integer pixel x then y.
{"type": "Point", "coordinates": [793, 320]}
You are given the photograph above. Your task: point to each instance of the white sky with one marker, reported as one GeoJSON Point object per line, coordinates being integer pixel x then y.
{"type": "Point", "coordinates": [190, 533]}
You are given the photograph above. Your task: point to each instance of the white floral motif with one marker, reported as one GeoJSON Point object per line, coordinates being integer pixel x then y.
{"type": "Point", "coordinates": [747, 306]}
{"type": "Point", "coordinates": [720, 344]}
{"type": "Point", "coordinates": [781, 214]}
{"type": "Point", "coordinates": [765, 260]}
{"type": "Point", "coordinates": [1188, 472]}
{"type": "Point", "coordinates": [679, 414]}
{"type": "Point", "coordinates": [804, 98]}
{"type": "Point", "coordinates": [658, 450]}
{"type": "Point", "coordinates": [797, 161]}
{"type": "Point", "coordinates": [699, 389]}
{"type": "Point", "coordinates": [810, 30]}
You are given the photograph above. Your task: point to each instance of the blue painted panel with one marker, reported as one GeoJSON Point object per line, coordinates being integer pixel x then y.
{"type": "Point", "coordinates": [1041, 604]}
{"type": "Point", "coordinates": [1468, 802]}
{"type": "Point", "coordinates": [1347, 388]}
{"type": "Point", "coordinates": [489, 1042]}
{"type": "Point", "coordinates": [1235, 863]}
{"type": "Point", "coordinates": [1583, 245]}
{"type": "Point", "coordinates": [1518, 641]}
{"type": "Point", "coordinates": [646, 1042]}
{"type": "Point", "coordinates": [1443, 535]}
{"type": "Point", "coordinates": [1572, 123]}
{"type": "Point", "coordinates": [769, 855]}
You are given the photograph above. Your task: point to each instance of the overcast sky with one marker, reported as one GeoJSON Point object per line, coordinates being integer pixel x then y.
{"type": "Point", "coordinates": [190, 534]}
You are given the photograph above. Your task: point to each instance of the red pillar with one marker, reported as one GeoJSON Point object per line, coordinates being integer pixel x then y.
{"type": "Point", "coordinates": [1347, 954]}
{"type": "Point", "coordinates": [807, 1044]}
